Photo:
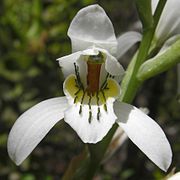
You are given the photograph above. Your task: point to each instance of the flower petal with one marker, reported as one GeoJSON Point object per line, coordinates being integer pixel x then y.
{"type": "Point", "coordinates": [94, 131]}
{"type": "Point", "coordinates": [67, 63]}
{"type": "Point", "coordinates": [126, 41]}
{"type": "Point", "coordinates": [92, 51]}
{"type": "Point", "coordinates": [145, 133]}
{"type": "Point", "coordinates": [169, 23]}
{"type": "Point", "coordinates": [31, 127]}
{"type": "Point", "coordinates": [91, 26]}
{"type": "Point", "coordinates": [112, 66]}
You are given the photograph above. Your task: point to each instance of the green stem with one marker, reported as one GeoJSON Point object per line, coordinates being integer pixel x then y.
{"type": "Point", "coordinates": [145, 16]}
{"type": "Point", "coordinates": [130, 83]}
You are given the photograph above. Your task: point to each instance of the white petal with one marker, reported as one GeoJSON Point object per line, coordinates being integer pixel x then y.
{"type": "Point", "coordinates": [169, 23]}
{"type": "Point", "coordinates": [92, 51]}
{"type": "Point", "coordinates": [31, 127]}
{"type": "Point", "coordinates": [112, 66]}
{"type": "Point", "coordinates": [90, 132]}
{"type": "Point", "coordinates": [145, 133]}
{"type": "Point", "coordinates": [91, 26]}
{"type": "Point", "coordinates": [67, 63]}
{"type": "Point", "coordinates": [126, 41]}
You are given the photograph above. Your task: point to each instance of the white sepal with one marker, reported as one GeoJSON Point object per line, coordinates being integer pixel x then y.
{"type": "Point", "coordinates": [145, 133]}
{"type": "Point", "coordinates": [169, 23]}
{"type": "Point", "coordinates": [126, 41]}
{"type": "Point", "coordinates": [91, 26]}
{"type": "Point", "coordinates": [31, 127]}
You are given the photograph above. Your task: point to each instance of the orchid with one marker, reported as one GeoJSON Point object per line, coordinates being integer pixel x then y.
{"type": "Point", "coordinates": [92, 88]}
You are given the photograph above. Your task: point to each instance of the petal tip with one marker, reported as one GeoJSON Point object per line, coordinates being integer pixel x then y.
{"type": "Point", "coordinates": [168, 163]}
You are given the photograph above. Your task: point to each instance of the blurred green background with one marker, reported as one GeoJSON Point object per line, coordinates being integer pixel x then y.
{"type": "Point", "coordinates": [32, 36]}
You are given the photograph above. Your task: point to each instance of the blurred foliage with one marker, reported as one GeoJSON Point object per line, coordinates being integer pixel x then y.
{"type": "Point", "coordinates": [33, 34]}
{"type": "Point", "coordinates": [32, 37]}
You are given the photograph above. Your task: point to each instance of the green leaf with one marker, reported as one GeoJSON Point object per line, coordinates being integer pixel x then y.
{"type": "Point", "coordinates": [160, 63]}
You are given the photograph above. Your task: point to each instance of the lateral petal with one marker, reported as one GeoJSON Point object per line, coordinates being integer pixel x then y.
{"type": "Point", "coordinates": [169, 23]}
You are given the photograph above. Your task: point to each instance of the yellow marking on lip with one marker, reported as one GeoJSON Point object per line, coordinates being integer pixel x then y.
{"type": "Point", "coordinates": [72, 88]}
{"type": "Point", "coordinates": [112, 90]}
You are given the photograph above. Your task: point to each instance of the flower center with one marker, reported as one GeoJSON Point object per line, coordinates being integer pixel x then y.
{"type": "Point", "coordinates": [93, 75]}
{"type": "Point", "coordinates": [92, 95]}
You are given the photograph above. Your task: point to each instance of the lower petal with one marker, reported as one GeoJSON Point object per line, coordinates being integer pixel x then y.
{"type": "Point", "coordinates": [145, 133]}
{"type": "Point", "coordinates": [89, 128]}
{"type": "Point", "coordinates": [31, 127]}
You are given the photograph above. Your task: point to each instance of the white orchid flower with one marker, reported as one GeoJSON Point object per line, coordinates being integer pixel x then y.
{"type": "Point", "coordinates": [91, 90]}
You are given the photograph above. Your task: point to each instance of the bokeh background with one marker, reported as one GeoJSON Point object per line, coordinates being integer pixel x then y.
{"type": "Point", "coordinates": [33, 34]}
